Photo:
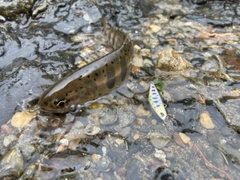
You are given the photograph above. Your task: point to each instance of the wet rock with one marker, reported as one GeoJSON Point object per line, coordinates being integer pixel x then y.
{"type": "Point", "coordinates": [125, 131]}
{"type": "Point", "coordinates": [6, 129]}
{"type": "Point", "coordinates": [12, 9]}
{"type": "Point", "coordinates": [137, 60]}
{"type": "Point", "coordinates": [21, 119]}
{"type": "Point", "coordinates": [28, 173]}
{"type": "Point", "coordinates": [9, 139]}
{"type": "Point", "coordinates": [83, 13]}
{"type": "Point", "coordinates": [27, 150]}
{"type": "Point", "coordinates": [153, 28]}
{"type": "Point", "coordinates": [116, 148]}
{"type": "Point", "coordinates": [2, 19]}
{"type": "Point", "coordinates": [169, 60]}
{"type": "Point", "coordinates": [150, 42]}
{"type": "Point", "coordinates": [96, 158]}
{"type": "Point", "coordinates": [206, 120]}
{"type": "Point", "coordinates": [146, 6]}
{"type": "Point", "coordinates": [77, 132]}
{"type": "Point", "coordinates": [184, 138]}
{"type": "Point", "coordinates": [159, 154]}
{"type": "Point", "coordinates": [159, 140]}
{"type": "Point", "coordinates": [141, 111]}
{"type": "Point", "coordinates": [134, 170]}
{"type": "Point", "coordinates": [227, 131]}
{"type": "Point", "coordinates": [2, 51]}
{"type": "Point", "coordinates": [126, 116]}
{"type": "Point", "coordinates": [125, 92]}
{"type": "Point", "coordinates": [146, 53]}
{"type": "Point", "coordinates": [39, 7]}
{"type": "Point", "coordinates": [85, 175]}
{"type": "Point", "coordinates": [107, 116]}
{"type": "Point", "coordinates": [232, 153]}
{"type": "Point", "coordinates": [229, 109]}
{"type": "Point", "coordinates": [104, 164]}
{"type": "Point", "coordinates": [14, 161]}
{"type": "Point", "coordinates": [92, 129]}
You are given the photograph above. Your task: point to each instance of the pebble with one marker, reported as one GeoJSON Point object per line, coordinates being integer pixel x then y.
{"type": "Point", "coordinates": [6, 129]}
{"type": "Point", "coordinates": [146, 53]}
{"type": "Point", "coordinates": [14, 160]}
{"type": "Point", "coordinates": [126, 117]}
{"type": "Point", "coordinates": [137, 60]}
{"type": "Point", "coordinates": [206, 120]}
{"type": "Point", "coordinates": [104, 164]}
{"type": "Point", "coordinates": [158, 140]}
{"type": "Point", "coordinates": [178, 139]}
{"type": "Point", "coordinates": [96, 158]}
{"type": "Point", "coordinates": [170, 60]}
{"type": "Point", "coordinates": [8, 139]}
{"type": "Point", "coordinates": [154, 122]}
{"type": "Point", "coordinates": [159, 154]}
{"type": "Point", "coordinates": [92, 130]}
{"type": "Point", "coordinates": [154, 28]}
{"type": "Point", "coordinates": [21, 119]}
{"type": "Point", "coordinates": [125, 131]}
{"type": "Point", "coordinates": [184, 137]}
{"type": "Point", "coordinates": [145, 85]}
{"type": "Point", "coordinates": [136, 47]}
{"type": "Point", "coordinates": [141, 111]}
{"type": "Point", "coordinates": [135, 137]}
{"type": "Point", "coordinates": [140, 121]}
{"type": "Point", "coordinates": [148, 63]}
{"type": "Point", "coordinates": [3, 19]}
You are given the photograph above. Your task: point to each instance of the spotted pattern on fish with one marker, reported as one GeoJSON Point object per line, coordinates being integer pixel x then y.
{"type": "Point", "coordinates": [93, 80]}
{"type": "Point", "coordinates": [156, 102]}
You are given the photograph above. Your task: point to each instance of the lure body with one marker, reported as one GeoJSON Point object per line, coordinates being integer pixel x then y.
{"type": "Point", "coordinates": [93, 80]}
{"type": "Point", "coordinates": [156, 102]}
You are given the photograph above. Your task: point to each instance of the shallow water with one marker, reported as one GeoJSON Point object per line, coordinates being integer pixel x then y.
{"type": "Point", "coordinates": [121, 137]}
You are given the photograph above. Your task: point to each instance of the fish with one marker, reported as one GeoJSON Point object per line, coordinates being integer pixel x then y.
{"type": "Point", "coordinates": [156, 102]}
{"type": "Point", "coordinates": [93, 80]}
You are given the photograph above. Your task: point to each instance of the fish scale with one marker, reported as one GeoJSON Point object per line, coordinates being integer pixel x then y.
{"type": "Point", "coordinates": [93, 80]}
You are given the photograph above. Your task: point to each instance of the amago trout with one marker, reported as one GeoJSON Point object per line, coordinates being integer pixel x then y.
{"type": "Point", "coordinates": [93, 80]}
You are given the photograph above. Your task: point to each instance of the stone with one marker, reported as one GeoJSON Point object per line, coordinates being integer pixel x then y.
{"type": "Point", "coordinates": [206, 120]}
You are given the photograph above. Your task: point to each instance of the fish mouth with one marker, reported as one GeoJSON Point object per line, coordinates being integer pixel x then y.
{"type": "Point", "coordinates": [47, 110]}
{"type": "Point", "coordinates": [54, 111]}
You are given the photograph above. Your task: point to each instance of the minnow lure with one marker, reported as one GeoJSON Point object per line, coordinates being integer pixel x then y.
{"type": "Point", "coordinates": [93, 80]}
{"type": "Point", "coordinates": [156, 102]}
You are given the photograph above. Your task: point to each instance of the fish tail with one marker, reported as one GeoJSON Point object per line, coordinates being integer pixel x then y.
{"type": "Point", "coordinates": [115, 37]}
{"type": "Point", "coordinates": [105, 24]}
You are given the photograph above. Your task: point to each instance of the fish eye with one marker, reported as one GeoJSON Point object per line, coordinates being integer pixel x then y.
{"type": "Point", "coordinates": [60, 103]}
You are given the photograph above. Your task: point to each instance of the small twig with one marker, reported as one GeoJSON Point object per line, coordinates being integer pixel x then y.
{"type": "Point", "coordinates": [192, 144]}
{"type": "Point", "coordinates": [224, 157]}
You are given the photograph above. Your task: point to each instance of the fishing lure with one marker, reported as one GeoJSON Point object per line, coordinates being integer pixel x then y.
{"type": "Point", "coordinates": [156, 102]}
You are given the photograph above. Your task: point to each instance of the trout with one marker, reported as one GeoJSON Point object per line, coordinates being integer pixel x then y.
{"type": "Point", "coordinates": [94, 79]}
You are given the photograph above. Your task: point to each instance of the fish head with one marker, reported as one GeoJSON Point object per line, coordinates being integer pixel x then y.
{"type": "Point", "coordinates": [55, 102]}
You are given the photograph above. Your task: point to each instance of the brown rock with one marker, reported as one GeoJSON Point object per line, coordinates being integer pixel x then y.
{"type": "Point", "coordinates": [21, 119]}
{"type": "Point", "coordinates": [169, 60]}
{"type": "Point", "coordinates": [184, 137]}
{"type": "Point", "coordinates": [206, 120]}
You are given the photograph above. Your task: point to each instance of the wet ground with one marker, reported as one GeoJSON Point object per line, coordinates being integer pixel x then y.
{"type": "Point", "coordinates": [120, 137]}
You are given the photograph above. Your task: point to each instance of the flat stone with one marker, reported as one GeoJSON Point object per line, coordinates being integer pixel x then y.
{"type": "Point", "coordinates": [206, 120]}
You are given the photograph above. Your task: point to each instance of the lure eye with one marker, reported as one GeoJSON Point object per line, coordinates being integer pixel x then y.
{"type": "Point", "coordinates": [60, 103]}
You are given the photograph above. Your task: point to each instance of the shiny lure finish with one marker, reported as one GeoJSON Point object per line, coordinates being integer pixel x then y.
{"type": "Point", "coordinates": [156, 102]}
{"type": "Point", "coordinates": [93, 80]}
